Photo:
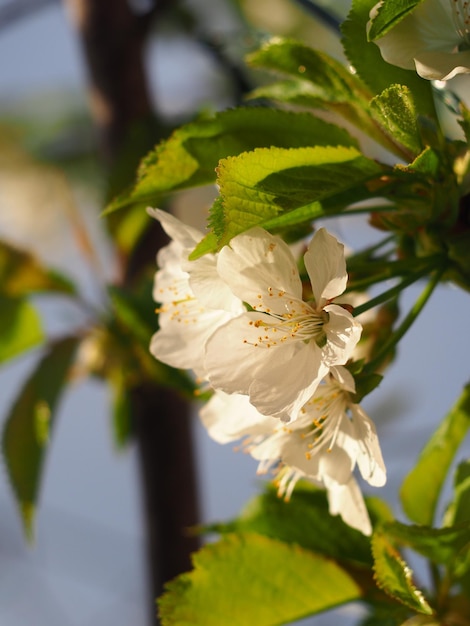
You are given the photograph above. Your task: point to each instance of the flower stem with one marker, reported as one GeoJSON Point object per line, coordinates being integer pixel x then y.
{"type": "Point", "coordinates": [368, 252]}
{"type": "Point", "coordinates": [393, 291]}
{"type": "Point", "coordinates": [407, 322]}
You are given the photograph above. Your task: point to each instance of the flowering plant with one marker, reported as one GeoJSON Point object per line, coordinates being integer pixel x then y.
{"type": "Point", "coordinates": [282, 332]}
{"type": "Point", "coordinates": [285, 339]}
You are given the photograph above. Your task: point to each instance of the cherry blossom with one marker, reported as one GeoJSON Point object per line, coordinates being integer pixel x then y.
{"type": "Point", "coordinates": [279, 350]}
{"type": "Point", "coordinates": [194, 301]}
{"type": "Point", "coordinates": [330, 437]}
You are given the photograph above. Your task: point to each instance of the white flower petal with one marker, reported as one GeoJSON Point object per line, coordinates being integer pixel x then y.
{"type": "Point", "coordinates": [181, 338]}
{"type": "Point", "coordinates": [326, 267]}
{"type": "Point", "coordinates": [185, 235]}
{"type": "Point", "coordinates": [171, 283]}
{"type": "Point", "coordinates": [231, 417]}
{"type": "Point", "coordinates": [281, 390]}
{"type": "Point", "coordinates": [260, 269]}
{"type": "Point", "coordinates": [336, 464]}
{"type": "Point", "coordinates": [236, 356]}
{"type": "Point", "coordinates": [344, 378]}
{"type": "Point", "coordinates": [347, 501]}
{"type": "Point", "coordinates": [441, 65]}
{"type": "Point", "coordinates": [208, 287]}
{"type": "Point", "coordinates": [369, 458]}
{"type": "Point", "coordinates": [342, 333]}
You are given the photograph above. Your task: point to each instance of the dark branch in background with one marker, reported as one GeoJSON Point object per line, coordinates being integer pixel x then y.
{"type": "Point", "coordinates": [113, 38]}
{"type": "Point", "coordinates": [324, 15]}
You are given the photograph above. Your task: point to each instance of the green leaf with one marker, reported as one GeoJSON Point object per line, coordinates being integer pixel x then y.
{"type": "Point", "coordinates": [318, 81]}
{"type": "Point", "coordinates": [395, 111]}
{"type": "Point", "coordinates": [322, 77]}
{"type": "Point", "coordinates": [251, 580]}
{"type": "Point", "coordinates": [421, 488]}
{"type": "Point", "coordinates": [189, 157]}
{"type": "Point", "coordinates": [438, 545]}
{"type": "Point", "coordinates": [21, 327]}
{"type": "Point", "coordinates": [394, 576]}
{"type": "Point", "coordinates": [22, 274]}
{"type": "Point", "coordinates": [390, 13]}
{"type": "Point", "coordinates": [465, 120]}
{"type": "Point", "coordinates": [459, 509]}
{"type": "Point", "coordinates": [258, 186]}
{"type": "Point", "coordinates": [305, 521]}
{"type": "Point", "coordinates": [28, 426]}
{"type": "Point", "coordinates": [367, 61]}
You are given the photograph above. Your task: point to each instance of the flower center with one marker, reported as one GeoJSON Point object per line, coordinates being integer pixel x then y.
{"type": "Point", "coordinates": [328, 409]}
{"type": "Point", "coordinates": [461, 18]}
{"type": "Point", "coordinates": [300, 323]}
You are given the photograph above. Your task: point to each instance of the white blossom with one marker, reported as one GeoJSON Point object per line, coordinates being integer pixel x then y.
{"type": "Point", "coordinates": [278, 352]}
{"type": "Point", "coordinates": [330, 437]}
{"type": "Point", "coordinates": [434, 39]}
{"type": "Point", "coordinates": [194, 301]}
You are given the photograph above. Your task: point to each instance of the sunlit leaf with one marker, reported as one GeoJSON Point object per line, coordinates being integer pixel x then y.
{"type": "Point", "coordinates": [189, 157]}
{"type": "Point", "coordinates": [258, 186]}
{"type": "Point", "coordinates": [394, 576]}
{"type": "Point", "coordinates": [389, 14]}
{"type": "Point", "coordinates": [320, 82]}
{"type": "Point", "coordinates": [439, 545]}
{"type": "Point", "coordinates": [422, 486]}
{"type": "Point", "coordinates": [305, 521]}
{"type": "Point", "coordinates": [252, 580]}
{"type": "Point", "coordinates": [27, 431]}
{"type": "Point", "coordinates": [367, 61]}
{"type": "Point", "coordinates": [21, 327]}
{"type": "Point", "coordinates": [325, 78]}
{"type": "Point", "coordinates": [395, 111]}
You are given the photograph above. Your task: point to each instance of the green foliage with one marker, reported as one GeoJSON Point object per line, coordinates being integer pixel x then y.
{"type": "Point", "coordinates": [325, 81]}
{"type": "Point", "coordinates": [258, 188]}
{"type": "Point", "coordinates": [394, 110]}
{"type": "Point", "coordinates": [367, 61]}
{"type": "Point", "coordinates": [253, 580]}
{"type": "Point", "coordinates": [189, 157]}
{"type": "Point", "coordinates": [438, 545]}
{"type": "Point", "coordinates": [318, 81]}
{"type": "Point", "coordinates": [305, 520]}
{"type": "Point", "coordinates": [421, 488]}
{"type": "Point", "coordinates": [459, 509]}
{"type": "Point", "coordinates": [29, 423]}
{"type": "Point", "coordinates": [465, 121]}
{"type": "Point", "coordinates": [394, 576]}
{"type": "Point", "coordinates": [22, 274]}
{"type": "Point", "coordinates": [21, 327]}
{"type": "Point", "coordinates": [390, 13]}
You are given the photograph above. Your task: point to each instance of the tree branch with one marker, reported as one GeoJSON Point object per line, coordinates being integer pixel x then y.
{"type": "Point", "coordinates": [113, 39]}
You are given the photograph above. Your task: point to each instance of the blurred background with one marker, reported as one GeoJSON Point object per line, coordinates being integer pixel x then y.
{"type": "Point", "coordinates": [88, 565]}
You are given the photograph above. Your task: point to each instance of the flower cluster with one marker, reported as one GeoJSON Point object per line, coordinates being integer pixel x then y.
{"type": "Point", "coordinates": [273, 350]}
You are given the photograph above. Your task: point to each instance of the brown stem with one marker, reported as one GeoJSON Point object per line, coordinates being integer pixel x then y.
{"type": "Point", "coordinates": [113, 42]}
{"type": "Point", "coordinates": [113, 39]}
